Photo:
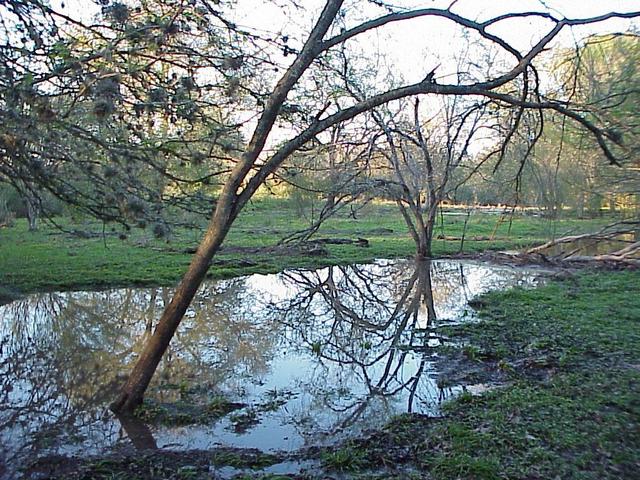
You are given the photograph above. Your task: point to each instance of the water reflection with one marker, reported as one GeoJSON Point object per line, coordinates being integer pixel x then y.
{"type": "Point", "coordinates": [314, 355]}
{"type": "Point", "coordinates": [369, 330]}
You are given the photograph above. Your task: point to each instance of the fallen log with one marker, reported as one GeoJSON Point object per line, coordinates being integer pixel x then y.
{"type": "Point", "coordinates": [476, 238]}
{"type": "Point", "coordinates": [629, 254]}
{"type": "Point", "coordinates": [596, 237]}
{"type": "Point", "coordinates": [360, 242]}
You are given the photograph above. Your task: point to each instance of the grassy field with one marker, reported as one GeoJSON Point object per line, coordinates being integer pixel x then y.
{"type": "Point", "coordinates": [50, 259]}
{"type": "Point", "coordinates": [569, 353]}
{"type": "Point", "coordinates": [565, 357]}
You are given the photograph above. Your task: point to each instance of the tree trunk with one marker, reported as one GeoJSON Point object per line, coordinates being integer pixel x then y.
{"type": "Point", "coordinates": [133, 391]}
{"type": "Point", "coordinates": [422, 249]}
{"type": "Point", "coordinates": [229, 204]}
{"type": "Point", "coordinates": [425, 236]}
{"type": "Point", "coordinates": [32, 212]}
{"type": "Point", "coordinates": [612, 203]}
{"type": "Point", "coordinates": [580, 205]}
{"type": "Point", "coordinates": [138, 432]}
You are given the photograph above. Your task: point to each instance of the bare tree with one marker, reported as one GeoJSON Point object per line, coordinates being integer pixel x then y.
{"type": "Point", "coordinates": [423, 156]}
{"type": "Point", "coordinates": [335, 176]}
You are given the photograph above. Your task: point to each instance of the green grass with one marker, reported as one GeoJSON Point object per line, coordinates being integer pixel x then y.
{"type": "Point", "coordinates": [345, 459]}
{"type": "Point", "coordinates": [571, 407]}
{"type": "Point", "coordinates": [240, 459]}
{"type": "Point", "coordinates": [53, 260]}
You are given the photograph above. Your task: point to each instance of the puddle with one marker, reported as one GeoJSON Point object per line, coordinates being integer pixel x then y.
{"type": "Point", "coordinates": [289, 467]}
{"type": "Point", "coordinates": [314, 357]}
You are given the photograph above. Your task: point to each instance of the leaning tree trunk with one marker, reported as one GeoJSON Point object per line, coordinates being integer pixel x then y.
{"type": "Point", "coordinates": [227, 209]}
{"type": "Point", "coordinates": [133, 391]}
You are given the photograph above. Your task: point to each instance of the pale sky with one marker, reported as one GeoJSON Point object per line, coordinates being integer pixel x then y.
{"type": "Point", "coordinates": [410, 49]}
{"type": "Point", "coordinates": [414, 47]}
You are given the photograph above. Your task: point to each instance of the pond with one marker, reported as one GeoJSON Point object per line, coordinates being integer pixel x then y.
{"type": "Point", "coordinates": [296, 359]}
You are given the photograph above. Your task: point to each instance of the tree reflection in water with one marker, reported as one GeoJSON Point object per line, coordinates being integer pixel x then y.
{"type": "Point", "coordinates": [313, 352]}
{"type": "Point", "coordinates": [62, 355]}
{"type": "Point", "coordinates": [371, 330]}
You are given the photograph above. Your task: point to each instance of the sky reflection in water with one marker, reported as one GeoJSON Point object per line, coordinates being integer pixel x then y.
{"type": "Point", "coordinates": [315, 356]}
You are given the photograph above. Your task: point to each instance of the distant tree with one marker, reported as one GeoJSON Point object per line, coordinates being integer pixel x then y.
{"type": "Point", "coordinates": [566, 169]}
{"type": "Point", "coordinates": [423, 157]}
{"type": "Point", "coordinates": [329, 176]}
{"type": "Point", "coordinates": [603, 75]}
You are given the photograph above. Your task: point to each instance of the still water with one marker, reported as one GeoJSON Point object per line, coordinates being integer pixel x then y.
{"type": "Point", "coordinates": [311, 355]}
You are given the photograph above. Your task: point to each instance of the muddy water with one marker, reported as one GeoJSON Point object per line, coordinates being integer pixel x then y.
{"type": "Point", "coordinates": [313, 356]}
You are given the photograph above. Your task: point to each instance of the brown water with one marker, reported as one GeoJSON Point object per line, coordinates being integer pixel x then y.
{"type": "Point", "coordinates": [314, 355]}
